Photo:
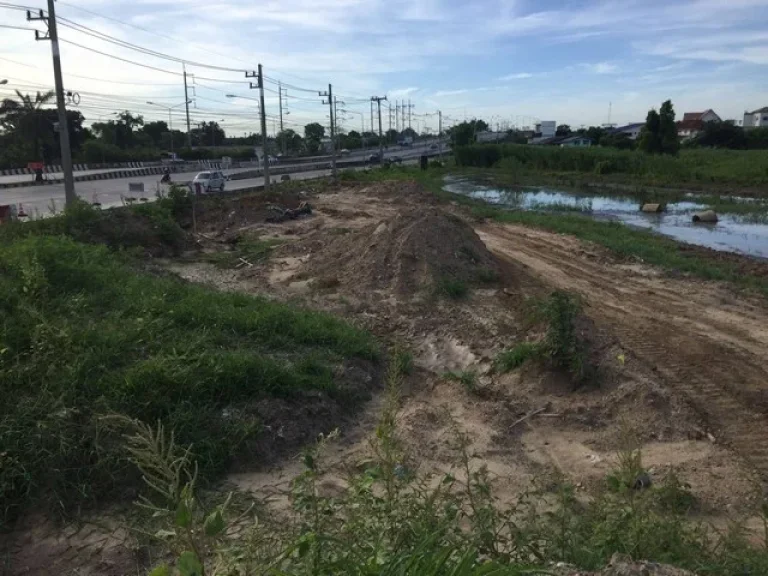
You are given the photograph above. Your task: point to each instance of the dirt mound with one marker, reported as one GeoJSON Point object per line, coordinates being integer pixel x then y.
{"type": "Point", "coordinates": [410, 251]}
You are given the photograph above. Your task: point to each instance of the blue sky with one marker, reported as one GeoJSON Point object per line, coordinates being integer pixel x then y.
{"type": "Point", "coordinates": [506, 60]}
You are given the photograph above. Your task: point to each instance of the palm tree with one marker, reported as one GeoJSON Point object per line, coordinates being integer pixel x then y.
{"type": "Point", "coordinates": [24, 119]}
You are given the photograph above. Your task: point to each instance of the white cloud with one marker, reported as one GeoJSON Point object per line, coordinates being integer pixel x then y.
{"type": "Point", "coordinates": [402, 92]}
{"type": "Point", "coordinates": [601, 68]}
{"type": "Point", "coordinates": [516, 76]}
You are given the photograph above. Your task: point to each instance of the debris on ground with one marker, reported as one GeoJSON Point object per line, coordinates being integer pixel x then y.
{"type": "Point", "coordinates": [279, 214]}
{"type": "Point", "coordinates": [707, 216]}
{"type": "Point", "coordinates": [652, 208]}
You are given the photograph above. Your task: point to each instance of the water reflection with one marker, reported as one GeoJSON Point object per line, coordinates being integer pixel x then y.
{"type": "Point", "coordinates": [731, 233]}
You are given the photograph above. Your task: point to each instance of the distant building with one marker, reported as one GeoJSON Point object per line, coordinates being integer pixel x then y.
{"type": "Point", "coordinates": [575, 141]}
{"type": "Point", "coordinates": [546, 129]}
{"type": "Point", "coordinates": [693, 123]}
{"type": "Point", "coordinates": [488, 136]}
{"type": "Point", "coordinates": [756, 119]}
{"type": "Point", "coordinates": [632, 130]}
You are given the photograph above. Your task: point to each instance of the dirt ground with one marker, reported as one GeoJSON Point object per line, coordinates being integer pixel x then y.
{"type": "Point", "coordinates": [681, 363]}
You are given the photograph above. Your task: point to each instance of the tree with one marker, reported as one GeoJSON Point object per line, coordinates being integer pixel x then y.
{"type": "Point", "coordinates": [650, 141]}
{"type": "Point", "coordinates": [392, 135]}
{"type": "Point", "coordinates": [27, 123]}
{"type": "Point", "coordinates": [659, 135]}
{"type": "Point", "coordinates": [463, 134]}
{"type": "Point", "coordinates": [293, 141]}
{"type": "Point", "coordinates": [669, 141]}
{"type": "Point", "coordinates": [722, 135]}
{"type": "Point", "coordinates": [157, 132]}
{"type": "Point", "coordinates": [596, 133]}
{"type": "Point", "coordinates": [563, 130]}
{"type": "Point", "coordinates": [314, 131]}
{"type": "Point", "coordinates": [619, 140]}
{"type": "Point", "coordinates": [208, 134]}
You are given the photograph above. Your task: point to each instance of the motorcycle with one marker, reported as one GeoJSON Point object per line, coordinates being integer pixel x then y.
{"type": "Point", "coordinates": [166, 179]}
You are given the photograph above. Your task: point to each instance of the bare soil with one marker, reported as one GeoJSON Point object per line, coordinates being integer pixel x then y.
{"type": "Point", "coordinates": [681, 364]}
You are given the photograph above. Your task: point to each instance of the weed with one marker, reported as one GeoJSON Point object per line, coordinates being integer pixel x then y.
{"type": "Point", "coordinates": [517, 356]}
{"type": "Point", "coordinates": [561, 342]}
{"type": "Point", "coordinates": [403, 359]}
{"type": "Point", "coordinates": [467, 378]}
{"type": "Point", "coordinates": [452, 288]}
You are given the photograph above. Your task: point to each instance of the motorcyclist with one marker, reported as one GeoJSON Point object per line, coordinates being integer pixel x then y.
{"type": "Point", "coordinates": [166, 179]}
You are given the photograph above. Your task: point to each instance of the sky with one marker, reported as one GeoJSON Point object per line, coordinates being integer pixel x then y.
{"type": "Point", "coordinates": [510, 62]}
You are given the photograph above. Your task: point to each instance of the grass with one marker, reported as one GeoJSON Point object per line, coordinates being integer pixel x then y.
{"type": "Point", "coordinates": [252, 250]}
{"type": "Point", "coordinates": [690, 169]}
{"type": "Point", "coordinates": [452, 288]}
{"type": "Point", "coordinates": [394, 520]}
{"type": "Point", "coordinates": [467, 378]}
{"type": "Point", "coordinates": [85, 333]}
{"type": "Point", "coordinates": [516, 356]}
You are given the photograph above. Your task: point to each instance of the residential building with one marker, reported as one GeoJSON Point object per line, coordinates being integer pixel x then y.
{"type": "Point", "coordinates": [693, 123]}
{"type": "Point", "coordinates": [576, 141]}
{"type": "Point", "coordinates": [756, 119]}
{"type": "Point", "coordinates": [546, 129]}
{"type": "Point", "coordinates": [632, 130]}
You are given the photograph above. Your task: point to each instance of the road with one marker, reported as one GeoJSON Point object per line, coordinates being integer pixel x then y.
{"type": "Point", "coordinates": [47, 199]}
{"type": "Point", "coordinates": [354, 155]}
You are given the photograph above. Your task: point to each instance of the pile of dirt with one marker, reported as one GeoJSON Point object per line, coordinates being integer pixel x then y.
{"type": "Point", "coordinates": [413, 250]}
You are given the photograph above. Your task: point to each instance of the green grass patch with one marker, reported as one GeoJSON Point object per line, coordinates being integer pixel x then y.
{"type": "Point", "coordinates": [452, 288]}
{"type": "Point", "coordinates": [84, 334]}
{"type": "Point", "coordinates": [516, 356]}
{"type": "Point", "coordinates": [250, 250]}
{"type": "Point", "coordinates": [467, 378]}
{"type": "Point", "coordinates": [700, 168]}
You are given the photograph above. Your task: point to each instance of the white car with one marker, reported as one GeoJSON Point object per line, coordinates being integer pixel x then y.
{"type": "Point", "coordinates": [209, 181]}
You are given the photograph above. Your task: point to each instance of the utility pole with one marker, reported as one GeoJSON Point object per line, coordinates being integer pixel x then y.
{"type": "Point", "coordinates": [390, 123]}
{"type": "Point", "coordinates": [397, 117]}
{"type": "Point", "coordinates": [440, 133]}
{"type": "Point", "coordinates": [372, 132]}
{"type": "Point", "coordinates": [410, 107]}
{"type": "Point", "coordinates": [378, 100]}
{"type": "Point", "coordinates": [280, 96]}
{"type": "Point", "coordinates": [66, 152]}
{"type": "Point", "coordinates": [186, 98]}
{"type": "Point", "coordinates": [330, 102]}
{"type": "Point", "coordinates": [262, 112]}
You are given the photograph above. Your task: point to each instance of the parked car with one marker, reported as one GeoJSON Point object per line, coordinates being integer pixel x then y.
{"type": "Point", "coordinates": [273, 159]}
{"type": "Point", "coordinates": [209, 181]}
{"type": "Point", "coordinates": [344, 152]}
{"type": "Point", "coordinates": [373, 158]}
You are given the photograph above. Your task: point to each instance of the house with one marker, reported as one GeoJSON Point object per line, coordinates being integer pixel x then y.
{"type": "Point", "coordinates": [576, 141]}
{"type": "Point", "coordinates": [632, 130]}
{"type": "Point", "coordinates": [756, 119]}
{"type": "Point", "coordinates": [693, 123]}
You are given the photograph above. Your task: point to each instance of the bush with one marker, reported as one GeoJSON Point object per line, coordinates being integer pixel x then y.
{"type": "Point", "coordinates": [517, 356]}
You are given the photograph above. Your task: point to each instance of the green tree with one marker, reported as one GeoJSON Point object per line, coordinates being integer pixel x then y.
{"type": "Point", "coordinates": [314, 131]}
{"type": "Point", "coordinates": [668, 139]}
{"type": "Point", "coordinates": [157, 132]}
{"type": "Point", "coordinates": [563, 130]}
{"type": "Point", "coordinates": [650, 138]}
{"type": "Point", "coordinates": [27, 122]}
{"type": "Point", "coordinates": [293, 141]}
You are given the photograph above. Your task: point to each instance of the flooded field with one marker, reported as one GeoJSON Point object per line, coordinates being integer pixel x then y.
{"type": "Point", "coordinates": [733, 232]}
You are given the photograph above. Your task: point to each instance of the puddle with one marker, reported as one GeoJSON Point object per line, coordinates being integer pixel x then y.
{"type": "Point", "coordinates": [730, 234]}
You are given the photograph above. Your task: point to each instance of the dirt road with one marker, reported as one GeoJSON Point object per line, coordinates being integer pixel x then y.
{"type": "Point", "coordinates": [702, 340]}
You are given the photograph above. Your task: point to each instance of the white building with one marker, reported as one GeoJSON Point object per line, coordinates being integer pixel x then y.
{"type": "Point", "coordinates": [546, 128]}
{"type": "Point", "coordinates": [756, 118]}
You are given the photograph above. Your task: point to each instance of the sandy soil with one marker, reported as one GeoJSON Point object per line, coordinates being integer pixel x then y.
{"type": "Point", "coordinates": [681, 363]}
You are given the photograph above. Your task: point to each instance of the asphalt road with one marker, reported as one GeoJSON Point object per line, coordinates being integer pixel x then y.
{"type": "Point", "coordinates": [47, 199]}
{"type": "Point", "coordinates": [353, 155]}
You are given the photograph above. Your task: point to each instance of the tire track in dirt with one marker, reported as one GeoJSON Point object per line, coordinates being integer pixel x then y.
{"type": "Point", "coordinates": [713, 356]}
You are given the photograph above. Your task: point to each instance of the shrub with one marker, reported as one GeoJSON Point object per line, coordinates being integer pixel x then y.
{"type": "Point", "coordinates": [517, 356]}
{"type": "Point", "coordinates": [452, 288]}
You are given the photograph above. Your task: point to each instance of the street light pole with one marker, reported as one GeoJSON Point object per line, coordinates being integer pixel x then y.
{"type": "Point", "coordinates": [170, 120]}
